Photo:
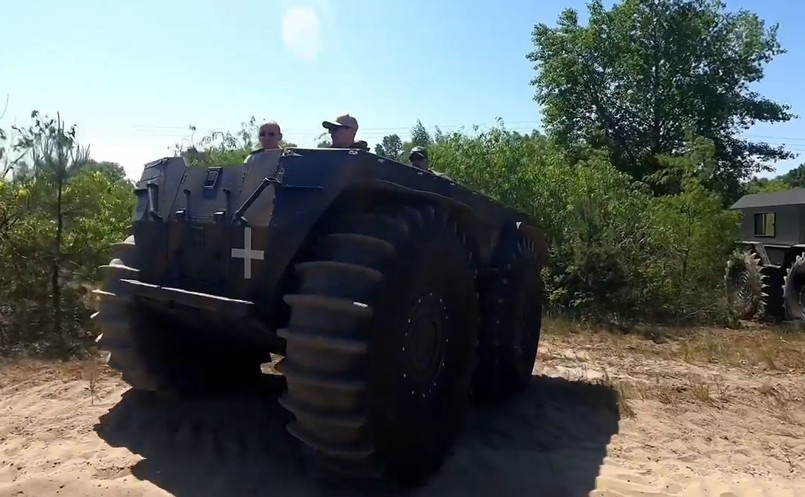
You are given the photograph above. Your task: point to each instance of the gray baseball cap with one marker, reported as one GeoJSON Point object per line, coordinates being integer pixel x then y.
{"type": "Point", "coordinates": [343, 121]}
{"type": "Point", "coordinates": [418, 152]}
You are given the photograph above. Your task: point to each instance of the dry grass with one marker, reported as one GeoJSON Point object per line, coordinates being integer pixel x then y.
{"type": "Point", "coordinates": [625, 409]}
{"type": "Point", "coordinates": [768, 349]}
{"type": "Point", "coordinates": [691, 391]}
{"type": "Point", "coordinates": [91, 373]}
{"type": "Point", "coordinates": [19, 374]}
{"type": "Point", "coordinates": [783, 405]}
{"type": "Point", "coordinates": [691, 369]}
{"type": "Point", "coordinates": [753, 347]}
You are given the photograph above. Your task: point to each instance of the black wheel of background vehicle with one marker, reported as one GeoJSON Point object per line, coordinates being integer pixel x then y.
{"type": "Point", "coordinates": [381, 343]}
{"type": "Point", "coordinates": [794, 289]}
{"type": "Point", "coordinates": [744, 282]}
{"type": "Point", "coordinates": [156, 356]}
{"type": "Point", "coordinates": [511, 318]}
{"type": "Point", "coordinates": [773, 281]}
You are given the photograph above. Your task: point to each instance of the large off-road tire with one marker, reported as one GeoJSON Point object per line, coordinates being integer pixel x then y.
{"type": "Point", "coordinates": [511, 317]}
{"type": "Point", "coordinates": [746, 286]}
{"type": "Point", "coordinates": [381, 343]}
{"type": "Point", "coordinates": [794, 289]}
{"type": "Point", "coordinates": [156, 356]}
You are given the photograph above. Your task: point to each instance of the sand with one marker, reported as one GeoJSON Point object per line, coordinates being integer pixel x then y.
{"type": "Point", "coordinates": [681, 430]}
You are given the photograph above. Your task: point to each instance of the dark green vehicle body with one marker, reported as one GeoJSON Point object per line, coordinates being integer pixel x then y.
{"type": "Point", "coordinates": [311, 254]}
{"type": "Point", "coordinates": [189, 220]}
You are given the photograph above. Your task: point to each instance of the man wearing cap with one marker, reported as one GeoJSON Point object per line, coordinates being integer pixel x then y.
{"type": "Point", "coordinates": [419, 158]}
{"type": "Point", "coordinates": [342, 132]}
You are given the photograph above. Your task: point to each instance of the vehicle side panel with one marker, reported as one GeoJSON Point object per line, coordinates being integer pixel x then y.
{"type": "Point", "coordinates": [186, 231]}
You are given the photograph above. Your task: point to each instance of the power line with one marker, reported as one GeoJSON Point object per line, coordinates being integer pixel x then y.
{"type": "Point", "coordinates": [157, 130]}
{"type": "Point", "coordinates": [307, 130]}
{"type": "Point", "coordinates": [184, 136]}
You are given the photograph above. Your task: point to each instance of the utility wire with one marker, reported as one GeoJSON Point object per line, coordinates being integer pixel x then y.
{"type": "Point", "coordinates": [157, 130]}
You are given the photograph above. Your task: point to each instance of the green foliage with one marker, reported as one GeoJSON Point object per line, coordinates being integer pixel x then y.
{"type": "Point", "coordinates": [112, 170]}
{"type": "Point", "coordinates": [761, 185]}
{"type": "Point", "coordinates": [420, 137]}
{"type": "Point", "coordinates": [58, 219]}
{"type": "Point", "coordinates": [394, 147]}
{"type": "Point", "coordinates": [98, 213]}
{"type": "Point", "coordinates": [617, 251]}
{"type": "Point", "coordinates": [641, 76]}
{"type": "Point", "coordinates": [390, 146]}
{"type": "Point", "coordinates": [794, 178]}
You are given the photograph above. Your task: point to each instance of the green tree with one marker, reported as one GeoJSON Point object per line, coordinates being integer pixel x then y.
{"type": "Point", "coordinates": [762, 185]}
{"type": "Point", "coordinates": [10, 159]}
{"type": "Point", "coordinates": [5, 167]}
{"type": "Point", "coordinates": [98, 214]}
{"type": "Point", "coordinates": [390, 146]}
{"type": "Point", "coordinates": [420, 136]}
{"type": "Point", "coordinates": [641, 76]}
{"type": "Point", "coordinates": [617, 252]}
{"type": "Point", "coordinates": [113, 170]}
{"type": "Point", "coordinates": [60, 218]}
{"type": "Point", "coordinates": [55, 157]}
{"type": "Point", "coordinates": [794, 178]}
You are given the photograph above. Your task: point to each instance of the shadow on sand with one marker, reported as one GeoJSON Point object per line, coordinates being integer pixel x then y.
{"type": "Point", "coordinates": [551, 441]}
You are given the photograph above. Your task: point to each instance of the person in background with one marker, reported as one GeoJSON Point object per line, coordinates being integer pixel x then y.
{"type": "Point", "coordinates": [419, 158]}
{"type": "Point", "coordinates": [342, 132]}
{"type": "Point", "coordinates": [269, 135]}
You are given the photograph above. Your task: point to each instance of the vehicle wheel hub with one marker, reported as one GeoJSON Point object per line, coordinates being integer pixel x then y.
{"type": "Point", "coordinates": [425, 341]}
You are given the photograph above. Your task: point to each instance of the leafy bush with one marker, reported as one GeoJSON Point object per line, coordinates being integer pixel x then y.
{"type": "Point", "coordinates": [617, 251]}
{"type": "Point", "coordinates": [59, 214]}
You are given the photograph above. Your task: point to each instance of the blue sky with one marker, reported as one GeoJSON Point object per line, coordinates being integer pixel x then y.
{"type": "Point", "coordinates": [134, 74]}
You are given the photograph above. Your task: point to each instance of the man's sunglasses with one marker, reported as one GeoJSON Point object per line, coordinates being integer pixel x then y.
{"type": "Point", "coordinates": [267, 133]}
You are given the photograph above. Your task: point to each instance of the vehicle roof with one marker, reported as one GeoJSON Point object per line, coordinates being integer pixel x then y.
{"type": "Point", "coordinates": [794, 196]}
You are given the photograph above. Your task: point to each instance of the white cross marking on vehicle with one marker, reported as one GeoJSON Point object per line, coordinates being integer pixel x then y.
{"type": "Point", "coordinates": [247, 254]}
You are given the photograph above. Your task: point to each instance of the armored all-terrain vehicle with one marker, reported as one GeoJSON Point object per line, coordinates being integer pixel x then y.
{"type": "Point", "coordinates": [393, 294]}
{"type": "Point", "coordinates": [767, 277]}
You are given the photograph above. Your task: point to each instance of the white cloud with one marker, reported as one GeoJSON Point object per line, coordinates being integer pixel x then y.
{"type": "Point", "coordinates": [301, 32]}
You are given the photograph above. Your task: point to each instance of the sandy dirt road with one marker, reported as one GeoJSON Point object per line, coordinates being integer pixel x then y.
{"type": "Point", "coordinates": [600, 419]}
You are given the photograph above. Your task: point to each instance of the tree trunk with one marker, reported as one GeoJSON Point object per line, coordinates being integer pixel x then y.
{"type": "Point", "coordinates": [56, 271]}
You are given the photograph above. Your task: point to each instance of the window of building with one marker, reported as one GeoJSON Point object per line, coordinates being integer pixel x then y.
{"type": "Point", "coordinates": [764, 224]}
